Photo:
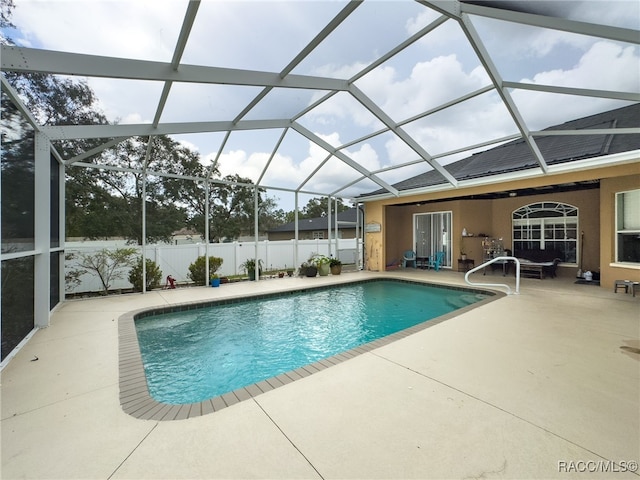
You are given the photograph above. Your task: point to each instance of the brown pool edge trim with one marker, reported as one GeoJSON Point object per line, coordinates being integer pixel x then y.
{"type": "Point", "coordinates": [136, 400]}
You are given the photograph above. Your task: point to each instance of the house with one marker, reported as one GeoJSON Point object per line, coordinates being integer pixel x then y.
{"type": "Point", "coordinates": [589, 217]}
{"type": "Point", "coordinates": [318, 228]}
{"type": "Point", "coordinates": [185, 236]}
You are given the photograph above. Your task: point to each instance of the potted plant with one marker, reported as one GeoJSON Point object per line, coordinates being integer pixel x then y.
{"type": "Point", "coordinates": [214, 280]}
{"type": "Point", "coordinates": [336, 266]}
{"type": "Point", "coordinates": [308, 269]}
{"type": "Point", "coordinates": [250, 267]}
{"type": "Point", "coordinates": [322, 263]}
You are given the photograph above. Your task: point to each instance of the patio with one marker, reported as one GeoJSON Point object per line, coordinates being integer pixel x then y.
{"type": "Point", "coordinates": [528, 386]}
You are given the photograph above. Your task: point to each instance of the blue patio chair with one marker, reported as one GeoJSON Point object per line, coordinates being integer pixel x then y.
{"type": "Point", "coordinates": [408, 257]}
{"type": "Point", "coordinates": [436, 261]}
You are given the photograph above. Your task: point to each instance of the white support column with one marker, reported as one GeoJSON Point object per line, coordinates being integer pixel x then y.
{"type": "Point", "coordinates": [336, 228]}
{"type": "Point", "coordinates": [42, 237]}
{"type": "Point", "coordinates": [255, 226]}
{"type": "Point", "coordinates": [62, 230]}
{"type": "Point", "coordinates": [144, 214]}
{"type": "Point", "coordinates": [329, 223]}
{"type": "Point", "coordinates": [359, 265]}
{"type": "Point", "coordinates": [296, 238]}
{"type": "Point", "coordinates": [144, 232]}
{"type": "Point", "coordinates": [206, 231]}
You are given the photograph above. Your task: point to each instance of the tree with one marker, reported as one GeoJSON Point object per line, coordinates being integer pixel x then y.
{"type": "Point", "coordinates": [232, 207]}
{"type": "Point", "coordinates": [6, 8]}
{"type": "Point", "coordinates": [107, 264]}
{"type": "Point", "coordinates": [104, 203]}
{"type": "Point", "coordinates": [318, 207]}
{"type": "Point", "coordinates": [165, 212]}
{"type": "Point", "coordinates": [101, 203]}
{"type": "Point", "coordinates": [18, 171]}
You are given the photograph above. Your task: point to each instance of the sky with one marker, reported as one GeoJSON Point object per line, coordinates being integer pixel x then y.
{"type": "Point", "coordinates": [267, 35]}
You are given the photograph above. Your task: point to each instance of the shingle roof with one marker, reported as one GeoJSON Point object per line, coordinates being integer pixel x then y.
{"type": "Point", "coordinates": [318, 223]}
{"type": "Point", "coordinates": [516, 155]}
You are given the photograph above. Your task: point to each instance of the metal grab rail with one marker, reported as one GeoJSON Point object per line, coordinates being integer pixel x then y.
{"type": "Point", "coordinates": [493, 260]}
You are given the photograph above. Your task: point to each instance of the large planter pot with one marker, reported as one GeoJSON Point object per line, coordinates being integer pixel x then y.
{"type": "Point", "coordinates": [336, 269]}
{"type": "Point", "coordinates": [323, 269]}
{"type": "Point", "coordinates": [311, 271]}
{"type": "Point", "coordinates": [215, 282]}
{"type": "Point", "coordinates": [251, 274]}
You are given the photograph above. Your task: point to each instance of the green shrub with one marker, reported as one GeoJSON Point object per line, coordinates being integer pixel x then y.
{"type": "Point", "coordinates": [197, 269]}
{"type": "Point", "coordinates": [154, 274]}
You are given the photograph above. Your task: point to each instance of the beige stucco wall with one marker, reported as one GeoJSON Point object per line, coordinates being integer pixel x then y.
{"type": "Point", "coordinates": [609, 269]}
{"type": "Point", "coordinates": [587, 202]}
{"type": "Point", "coordinates": [493, 217]}
{"type": "Point", "coordinates": [374, 254]}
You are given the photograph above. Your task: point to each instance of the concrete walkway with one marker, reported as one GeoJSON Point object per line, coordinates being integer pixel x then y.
{"type": "Point", "coordinates": [534, 385]}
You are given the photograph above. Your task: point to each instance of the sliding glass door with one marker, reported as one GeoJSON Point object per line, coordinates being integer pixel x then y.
{"type": "Point", "coordinates": [432, 233]}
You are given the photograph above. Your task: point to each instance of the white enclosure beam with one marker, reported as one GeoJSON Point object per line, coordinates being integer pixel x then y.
{"type": "Point", "coordinates": [555, 23]}
{"type": "Point", "coordinates": [273, 154]}
{"type": "Point", "coordinates": [483, 55]}
{"type": "Point", "coordinates": [70, 132]}
{"type": "Point", "coordinates": [42, 231]}
{"type": "Point", "coordinates": [20, 59]}
{"type": "Point", "coordinates": [588, 131]}
{"type": "Point", "coordinates": [143, 226]}
{"type": "Point", "coordinates": [585, 92]}
{"type": "Point", "coordinates": [404, 136]}
{"type": "Point", "coordinates": [15, 99]}
{"type": "Point", "coordinates": [95, 151]}
{"type": "Point", "coordinates": [356, 166]}
{"type": "Point", "coordinates": [315, 170]}
{"type": "Point", "coordinates": [187, 24]}
{"type": "Point", "coordinates": [456, 9]}
{"type": "Point", "coordinates": [400, 47]}
{"type": "Point", "coordinates": [426, 113]}
{"type": "Point", "coordinates": [324, 33]}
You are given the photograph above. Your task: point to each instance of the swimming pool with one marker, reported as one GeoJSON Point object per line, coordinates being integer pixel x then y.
{"type": "Point", "coordinates": [201, 353]}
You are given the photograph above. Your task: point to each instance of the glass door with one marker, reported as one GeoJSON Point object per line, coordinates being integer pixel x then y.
{"type": "Point", "coordinates": [432, 233]}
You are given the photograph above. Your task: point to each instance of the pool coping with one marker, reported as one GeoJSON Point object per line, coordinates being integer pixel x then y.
{"type": "Point", "coordinates": [136, 400]}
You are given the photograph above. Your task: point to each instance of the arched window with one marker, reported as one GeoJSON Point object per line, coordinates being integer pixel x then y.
{"type": "Point", "coordinates": [547, 226]}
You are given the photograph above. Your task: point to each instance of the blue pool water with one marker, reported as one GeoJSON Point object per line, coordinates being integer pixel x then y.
{"type": "Point", "coordinates": [195, 355]}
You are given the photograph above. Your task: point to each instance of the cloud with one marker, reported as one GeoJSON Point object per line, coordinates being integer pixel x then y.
{"type": "Point", "coordinates": [428, 85]}
{"type": "Point", "coordinates": [144, 29]}
{"type": "Point", "coordinates": [435, 70]}
{"type": "Point", "coordinates": [621, 66]}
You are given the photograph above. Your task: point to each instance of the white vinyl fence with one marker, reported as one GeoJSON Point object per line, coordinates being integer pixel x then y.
{"type": "Point", "coordinates": [174, 260]}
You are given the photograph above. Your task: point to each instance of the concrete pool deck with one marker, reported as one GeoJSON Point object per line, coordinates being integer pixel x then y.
{"type": "Point", "coordinates": [534, 385]}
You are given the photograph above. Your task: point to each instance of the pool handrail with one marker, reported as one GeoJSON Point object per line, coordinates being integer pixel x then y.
{"type": "Point", "coordinates": [489, 262]}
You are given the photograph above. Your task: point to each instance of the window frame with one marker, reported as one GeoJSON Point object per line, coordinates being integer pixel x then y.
{"type": "Point", "coordinates": [619, 218]}
{"type": "Point", "coordinates": [530, 219]}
